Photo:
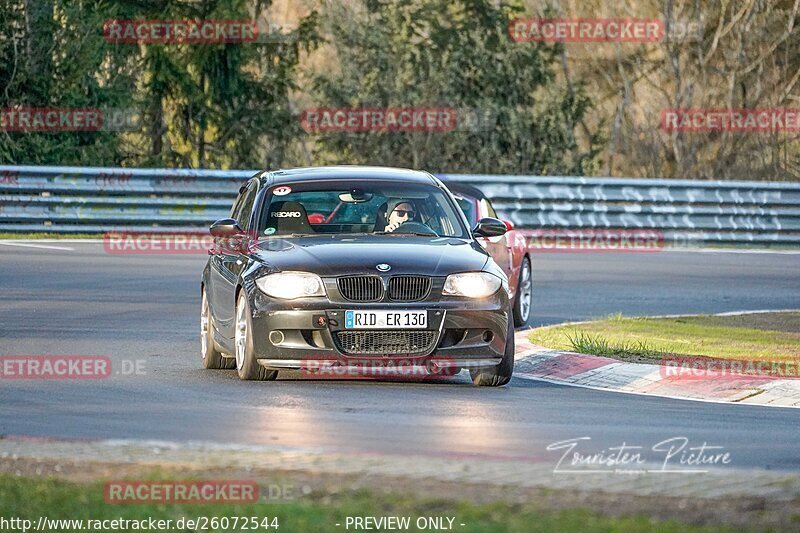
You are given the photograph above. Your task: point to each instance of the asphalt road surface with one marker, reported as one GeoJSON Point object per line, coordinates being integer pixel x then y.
{"type": "Point", "coordinates": [144, 310]}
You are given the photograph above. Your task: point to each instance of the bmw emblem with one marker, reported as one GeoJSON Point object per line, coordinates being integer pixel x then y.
{"type": "Point", "coordinates": [383, 267]}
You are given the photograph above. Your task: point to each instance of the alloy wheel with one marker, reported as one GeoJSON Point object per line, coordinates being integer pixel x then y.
{"type": "Point", "coordinates": [204, 326]}
{"type": "Point", "coordinates": [525, 290]}
{"type": "Point", "coordinates": [241, 332]}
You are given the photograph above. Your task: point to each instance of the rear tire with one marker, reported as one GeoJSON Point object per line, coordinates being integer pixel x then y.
{"type": "Point", "coordinates": [212, 359]}
{"type": "Point", "coordinates": [246, 365]}
{"type": "Point", "coordinates": [498, 375]}
{"type": "Point", "coordinates": [524, 298]}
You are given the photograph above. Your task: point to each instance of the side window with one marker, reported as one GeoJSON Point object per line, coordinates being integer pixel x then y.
{"type": "Point", "coordinates": [237, 204]}
{"type": "Point", "coordinates": [247, 205]}
{"type": "Point", "coordinates": [244, 206]}
{"type": "Point", "coordinates": [489, 209]}
{"type": "Point", "coordinates": [467, 205]}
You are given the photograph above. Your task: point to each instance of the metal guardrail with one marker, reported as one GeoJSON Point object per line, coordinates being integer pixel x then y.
{"type": "Point", "coordinates": [715, 212]}
{"type": "Point", "coordinates": [95, 200]}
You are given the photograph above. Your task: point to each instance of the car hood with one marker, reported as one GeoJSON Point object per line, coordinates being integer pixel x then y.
{"type": "Point", "coordinates": [338, 255]}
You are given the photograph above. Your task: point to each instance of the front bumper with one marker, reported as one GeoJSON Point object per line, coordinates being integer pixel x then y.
{"type": "Point", "coordinates": [297, 334]}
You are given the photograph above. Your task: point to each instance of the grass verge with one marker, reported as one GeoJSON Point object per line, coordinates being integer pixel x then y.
{"type": "Point", "coordinates": [30, 498]}
{"type": "Point", "coordinates": [762, 336]}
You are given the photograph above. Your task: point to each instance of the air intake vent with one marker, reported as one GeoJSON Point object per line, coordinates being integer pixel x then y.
{"type": "Point", "coordinates": [361, 288]}
{"type": "Point", "coordinates": [409, 288]}
{"type": "Point", "coordinates": [385, 342]}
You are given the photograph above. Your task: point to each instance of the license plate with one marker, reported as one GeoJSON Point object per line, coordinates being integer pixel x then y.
{"type": "Point", "coordinates": [385, 319]}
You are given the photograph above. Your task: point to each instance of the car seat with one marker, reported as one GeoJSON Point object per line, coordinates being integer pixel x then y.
{"type": "Point", "coordinates": [288, 217]}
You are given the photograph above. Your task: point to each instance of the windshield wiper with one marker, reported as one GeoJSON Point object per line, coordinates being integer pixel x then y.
{"type": "Point", "coordinates": [415, 233]}
{"type": "Point", "coordinates": [288, 235]}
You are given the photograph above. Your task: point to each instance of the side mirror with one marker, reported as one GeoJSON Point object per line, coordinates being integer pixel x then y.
{"type": "Point", "coordinates": [227, 227]}
{"type": "Point", "coordinates": [489, 227]}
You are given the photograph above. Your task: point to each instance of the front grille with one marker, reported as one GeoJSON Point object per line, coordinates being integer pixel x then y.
{"type": "Point", "coordinates": [361, 288]}
{"type": "Point", "coordinates": [380, 342]}
{"type": "Point", "coordinates": [409, 288]}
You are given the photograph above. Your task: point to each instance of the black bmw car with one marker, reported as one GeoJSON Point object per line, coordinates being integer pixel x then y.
{"type": "Point", "coordinates": [350, 264]}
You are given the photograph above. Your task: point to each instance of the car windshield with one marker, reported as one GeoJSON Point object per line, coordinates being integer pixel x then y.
{"type": "Point", "coordinates": [360, 206]}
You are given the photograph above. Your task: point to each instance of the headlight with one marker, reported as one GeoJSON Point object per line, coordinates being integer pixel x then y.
{"type": "Point", "coordinates": [291, 285]}
{"type": "Point", "coordinates": [471, 284]}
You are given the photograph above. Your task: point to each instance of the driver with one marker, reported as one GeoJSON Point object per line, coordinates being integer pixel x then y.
{"type": "Point", "coordinates": [403, 211]}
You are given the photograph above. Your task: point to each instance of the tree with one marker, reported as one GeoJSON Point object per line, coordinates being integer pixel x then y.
{"type": "Point", "coordinates": [52, 54]}
{"type": "Point", "coordinates": [455, 54]}
{"type": "Point", "coordinates": [198, 104]}
{"type": "Point", "coordinates": [716, 54]}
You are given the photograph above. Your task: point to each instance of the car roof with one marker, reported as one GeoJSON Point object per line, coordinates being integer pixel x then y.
{"type": "Point", "coordinates": [464, 189]}
{"type": "Point", "coordinates": [344, 172]}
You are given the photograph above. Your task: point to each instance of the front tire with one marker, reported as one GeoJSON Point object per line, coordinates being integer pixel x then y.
{"type": "Point", "coordinates": [212, 359]}
{"type": "Point", "coordinates": [498, 375]}
{"type": "Point", "coordinates": [246, 365]}
{"type": "Point", "coordinates": [524, 299]}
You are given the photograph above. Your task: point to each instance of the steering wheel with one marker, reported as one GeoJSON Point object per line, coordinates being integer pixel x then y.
{"type": "Point", "coordinates": [413, 226]}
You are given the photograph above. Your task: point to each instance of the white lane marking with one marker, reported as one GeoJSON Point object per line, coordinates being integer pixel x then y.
{"type": "Point", "coordinates": [727, 313]}
{"type": "Point", "coordinates": [650, 394]}
{"type": "Point", "coordinates": [91, 241]}
{"type": "Point", "coordinates": [42, 246]}
{"type": "Point", "coordinates": [734, 251]}
{"type": "Point", "coordinates": [759, 312]}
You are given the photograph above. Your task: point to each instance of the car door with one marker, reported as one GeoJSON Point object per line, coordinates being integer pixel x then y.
{"type": "Point", "coordinates": [476, 209]}
{"type": "Point", "coordinates": [228, 263]}
{"type": "Point", "coordinates": [496, 246]}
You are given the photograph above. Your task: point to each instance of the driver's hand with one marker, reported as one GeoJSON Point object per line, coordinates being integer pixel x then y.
{"type": "Point", "coordinates": [391, 227]}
